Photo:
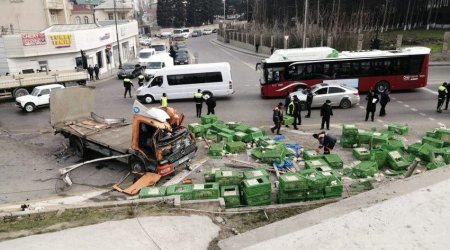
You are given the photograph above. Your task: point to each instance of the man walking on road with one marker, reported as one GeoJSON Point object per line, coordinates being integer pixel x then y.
{"type": "Point", "coordinates": [326, 111]}
{"type": "Point", "coordinates": [210, 104]}
{"type": "Point", "coordinates": [309, 100]}
{"type": "Point", "coordinates": [91, 73]}
{"type": "Point", "coordinates": [372, 100]}
{"type": "Point", "coordinates": [384, 99]}
{"type": "Point", "coordinates": [198, 99]}
{"type": "Point", "coordinates": [96, 71]}
{"type": "Point", "coordinates": [277, 118]}
{"type": "Point", "coordinates": [127, 84]}
{"type": "Point", "coordinates": [442, 94]}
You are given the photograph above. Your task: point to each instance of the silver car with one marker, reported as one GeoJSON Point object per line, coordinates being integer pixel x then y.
{"type": "Point", "coordinates": [339, 95]}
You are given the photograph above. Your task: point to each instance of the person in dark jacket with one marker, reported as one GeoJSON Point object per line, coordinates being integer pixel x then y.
{"type": "Point", "coordinates": [384, 99]}
{"type": "Point", "coordinates": [327, 142]}
{"type": "Point", "coordinates": [211, 104]}
{"type": "Point", "coordinates": [127, 84]}
{"type": "Point", "coordinates": [442, 94]}
{"type": "Point", "coordinates": [309, 100]}
{"type": "Point", "coordinates": [198, 99]}
{"type": "Point", "coordinates": [297, 112]}
{"type": "Point", "coordinates": [277, 118]}
{"type": "Point", "coordinates": [96, 71]}
{"type": "Point", "coordinates": [141, 79]}
{"type": "Point", "coordinates": [326, 111]}
{"type": "Point", "coordinates": [91, 73]}
{"type": "Point", "coordinates": [448, 96]}
{"type": "Point", "coordinates": [287, 101]}
{"type": "Point", "coordinates": [372, 100]}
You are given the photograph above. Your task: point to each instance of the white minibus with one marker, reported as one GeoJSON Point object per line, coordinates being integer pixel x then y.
{"type": "Point", "coordinates": [146, 54]}
{"type": "Point", "coordinates": [181, 82]}
{"type": "Point", "coordinates": [157, 62]}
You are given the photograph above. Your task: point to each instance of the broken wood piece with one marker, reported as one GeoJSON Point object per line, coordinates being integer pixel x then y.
{"type": "Point", "coordinates": [277, 173]}
{"type": "Point", "coordinates": [148, 179]}
{"type": "Point", "coordinates": [254, 164]}
{"type": "Point", "coordinates": [72, 126]}
{"type": "Point", "coordinates": [231, 165]}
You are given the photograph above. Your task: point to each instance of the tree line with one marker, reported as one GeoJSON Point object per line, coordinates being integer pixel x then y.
{"type": "Point", "coordinates": [179, 13]}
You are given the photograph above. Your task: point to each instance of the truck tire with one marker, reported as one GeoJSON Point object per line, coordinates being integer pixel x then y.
{"type": "Point", "coordinates": [29, 107]}
{"type": "Point", "coordinates": [148, 99]}
{"type": "Point", "coordinates": [77, 146]}
{"type": "Point", "coordinates": [20, 92]}
{"type": "Point", "coordinates": [136, 165]}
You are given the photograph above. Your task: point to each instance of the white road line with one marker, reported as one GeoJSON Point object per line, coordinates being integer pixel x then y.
{"type": "Point", "coordinates": [441, 124]}
{"type": "Point", "coordinates": [431, 119]}
{"type": "Point", "coordinates": [393, 98]}
{"type": "Point", "coordinates": [422, 114]}
{"type": "Point", "coordinates": [400, 102]}
{"type": "Point", "coordinates": [406, 106]}
{"type": "Point", "coordinates": [228, 53]}
{"type": "Point", "coordinates": [413, 109]}
{"type": "Point", "coordinates": [429, 91]}
{"type": "Point", "coordinates": [379, 120]}
{"type": "Point", "coordinates": [361, 107]}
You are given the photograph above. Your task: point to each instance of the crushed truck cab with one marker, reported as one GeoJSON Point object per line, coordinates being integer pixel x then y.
{"type": "Point", "coordinates": [156, 140]}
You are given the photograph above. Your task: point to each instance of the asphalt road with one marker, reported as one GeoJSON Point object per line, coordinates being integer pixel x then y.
{"type": "Point", "coordinates": [414, 107]}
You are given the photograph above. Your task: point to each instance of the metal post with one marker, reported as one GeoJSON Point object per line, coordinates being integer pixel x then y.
{"type": "Point", "coordinates": [224, 11]}
{"type": "Point", "coordinates": [117, 35]}
{"type": "Point", "coordinates": [304, 24]}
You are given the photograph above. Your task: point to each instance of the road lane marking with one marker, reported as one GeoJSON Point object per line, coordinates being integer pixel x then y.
{"type": "Point", "coordinates": [400, 102]}
{"type": "Point", "coordinates": [413, 109]}
{"type": "Point", "coordinates": [380, 121]}
{"type": "Point", "coordinates": [441, 124]}
{"type": "Point", "coordinates": [431, 119]}
{"type": "Point", "coordinates": [429, 91]}
{"type": "Point", "coordinates": [422, 114]}
{"type": "Point", "coordinates": [406, 106]}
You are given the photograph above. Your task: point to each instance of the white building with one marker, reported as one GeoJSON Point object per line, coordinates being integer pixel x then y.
{"type": "Point", "coordinates": [105, 11]}
{"type": "Point", "coordinates": [58, 47]}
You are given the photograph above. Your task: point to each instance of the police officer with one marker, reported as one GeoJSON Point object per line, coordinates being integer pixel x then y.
{"type": "Point", "coordinates": [326, 111]}
{"type": "Point", "coordinates": [309, 100]}
{"type": "Point", "coordinates": [127, 84]}
{"type": "Point", "coordinates": [293, 111]}
{"type": "Point", "coordinates": [298, 111]}
{"type": "Point", "coordinates": [442, 94]}
{"type": "Point", "coordinates": [141, 79]}
{"type": "Point", "coordinates": [198, 99]}
{"type": "Point", "coordinates": [164, 100]}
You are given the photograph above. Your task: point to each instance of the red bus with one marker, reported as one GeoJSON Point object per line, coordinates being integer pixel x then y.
{"type": "Point", "coordinates": [288, 70]}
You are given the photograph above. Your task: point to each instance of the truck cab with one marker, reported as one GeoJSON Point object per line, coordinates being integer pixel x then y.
{"type": "Point", "coordinates": [39, 97]}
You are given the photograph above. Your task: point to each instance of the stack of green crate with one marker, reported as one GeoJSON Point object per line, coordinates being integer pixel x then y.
{"type": "Point", "coordinates": [293, 188]}
{"type": "Point", "coordinates": [393, 144]}
{"type": "Point", "coordinates": [243, 137]}
{"type": "Point", "coordinates": [425, 152]}
{"type": "Point", "coordinates": [274, 153]}
{"type": "Point", "coordinates": [256, 173]}
{"type": "Point", "coordinates": [255, 133]}
{"type": "Point", "coordinates": [396, 161]}
{"type": "Point", "coordinates": [349, 136]}
{"type": "Point", "coordinates": [431, 133]}
{"type": "Point", "coordinates": [196, 129]}
{"type": "Point", "coordinates": [316, 180]}
{"type": "Point", "coordinates": [184, 191]}
{"type": "Point", "coordinates": [377, 140]}
{"type": "Point", "coordinates": [311, 155]}
{"type": "Point", "coordinates": [401, 129]}
{"type": "Point", "coordinates": [204, 191]}
{"type": "Point", "coordinates": [333, 188]}
{"type": "Point", "coordinates": [208, 119]}
{"type": "Point", "coordinates": [257, 191]}
{"type": "Point", "coordinates": [364, 136]}
{"type": "Point", "coordinates": [314, 164]}
{"type": "Point", "coordinates": [216, 149]}
{"type": "Point", "coordinates": [434, 165]}
{"type": "Point", "coordinates": [433, 142]}
{"type": "Point", "coordinates": [379, 156]}
{"type": "Point", "coordinates": [441, 153]}
{"type": "Point", "coordinates": [414, 148]}
{"type": "Point", "coordinates": [242, 128]}
{"type": "Point", "coordinates": [210, 174]}
{"type": "Point", "coordinates": [334, 160]}
{"type": "Point", "coordinates": [235, 146]}
{"type": "Point", "coordinates": [365, 169]}
{"type": "Point", "coordinates": [231, 195]}
{"type": "Point", "coordinates": [228, 177]}
{"type": "Point", "coordinates": [362, 154]}
{"type": "Point", "coordinates": [151, 192]}
{"type": "Point", "coordinates": [444, 135]}
{"type": "Point", "coordinates": [232, 125]}
{"type": "Point", "coordinates": [224, 137]}
{"type": "Point", "coordinates": [288, 120]}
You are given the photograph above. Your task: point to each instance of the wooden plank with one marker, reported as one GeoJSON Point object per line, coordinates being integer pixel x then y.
{"type": "Point", "coordinates": [277, 173]}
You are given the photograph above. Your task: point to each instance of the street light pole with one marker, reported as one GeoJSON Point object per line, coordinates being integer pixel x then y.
{"type": "Point", "coordinates": [117, 35]}
{"type": "Point", "coordinates": [304, 24]}
{"type": "Point", "coordinates": [224, 11]}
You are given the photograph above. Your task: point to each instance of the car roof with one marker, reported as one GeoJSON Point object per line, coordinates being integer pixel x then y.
{"type": "Point", "coordinates": [50, 86]}
{"type": "Point", "coordinates": [147, 50]}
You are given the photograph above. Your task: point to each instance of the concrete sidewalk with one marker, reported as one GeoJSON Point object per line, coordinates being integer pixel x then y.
{"type": "Point", "coordinates": [158, 232]}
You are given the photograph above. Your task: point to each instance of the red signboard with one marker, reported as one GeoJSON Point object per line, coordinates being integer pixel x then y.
{"type": "Point", "coordinates": [33, 39]}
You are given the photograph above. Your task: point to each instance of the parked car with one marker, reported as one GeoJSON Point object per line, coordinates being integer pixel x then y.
{"type": "Point", "coordinates": [181, 58]}
{"type": "Point", "coordinates": [196, 33]}
{"type": "Point", "coordinates": [39, 97]}
{"type": "Point", "coordinates": [165, 34]}
{"type": "Point", "coordinates": [179, 46]}
{"type": "Point", "coordinates": [340, 95]}
{"type": "Point", "coordinates": [207, 32]}
{"type": "Point", "coordinates": [145, 41]}
{"type": "Point", "coordinates": [130, 70]}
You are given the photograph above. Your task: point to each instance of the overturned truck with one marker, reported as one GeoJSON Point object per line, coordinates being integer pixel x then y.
{"type": "Point", "coordinates": [155, 141]}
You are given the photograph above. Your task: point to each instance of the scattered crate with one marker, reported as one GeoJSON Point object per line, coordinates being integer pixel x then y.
{"type": "Point", "coordinates": [334, 161]}
{"type": "Point", "coordinates": [365, 169]}
{"type": "Point", "coordinates": [203, 191]}
{"type": "Point", "coordinates": [151, 192]}
{"type": "Point", "coordinates": [398, 128]}
{"type": "Point", "coordinates": [362, 154]}
{"type": "Point", "coordinates": [231, 195]}
{"type": "Point", "coordinates": [208, 119]}
{"type": "Point", "coordinates": [184, 190]}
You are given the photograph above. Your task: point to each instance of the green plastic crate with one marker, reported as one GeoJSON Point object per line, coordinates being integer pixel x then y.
{"type": "Point", "coordinates": [265, 142]}
{"type": "Point", "coordinates": [293, 182]}
{"type": "Point", "coordinates": [224, 137]}
{"type": "Point", "coordinates": [414, 148]}
{"type": "Point", "coordinates": [434, 165]}
{"type": "Point", "coordinates": [241, 136]}
{"type": "Point", "coordinates": [257, 153]}
{"type": "Point", "coordinates": [358, 187]}
{"type": "Point", "coordinates": [378, 139]}
{"type": "Point", "coordinates": [364, 136]}
{"type": "Point", "coordinates": [184, 190]}
{"type": "Point", "coordinates": [379, 156]}
{"type": "Point", "coordinates": [443, 134]}
{"type": "Point", "coordinates": [433, 142]}
{"type": "Point", "coordinates": [210, 174]}
{"type": "Point", "coordinates": [444, 153]}
{"type": "Point", "coordinates": [208, 119]}
{"type": "Point", "coordinates": [392, 145]}
{"type": "Point", "coordinates": [315, 194]}
{"type": "Point", "coordinates": [242, 128]}
{"type": "Point", "coordinates": [255, 133]}
{"type": "Point", "coordinates": [204, 191]}
{"type": "Point", "coordinates": [362, 154]}
{"type": "Point", "coordinates": [431, 133]}
{"type": "Point", "coordinates": [316, 180]}
{"type": "Point", "coordinates": [151, 192]}
{"type": "Point", "coordinates": [235, 147]}
{"type": "Point", "coordinates": [227, 131]}
{"type": "Point", "coordinates": [401, 129]}
{"type": "Point", "coordinates": [216, 149]}
{"type": "Point", "coordinates": [218, 126]}
{"type": "Point", "coordinates": [334, 189]}
{"type": "Point", "coordinates": [334, 161]}
{"type": "Point", "coordinates": [317, 163]}
{"type": "Point", "coordinates": [256, 186]}
{"type": "Point", "coordinates": [288, 120]}
{"type": "Point", "coordinates": [425, 152]}
{"type": "Point", "coordinates": [396, 161]}
{"type": "Point", "coordinates": [311, 155]}
{"type": "Point", "coordinates": [196, 129]}
{"type": "Point", "coordinates": [274, 154]}
{"type": "Point", "coordinates": [365, 169]}
{"type": "Point", "coordinates": [228, 177]}
{"type": "Point", "coordinates": [349, 141]}
{"type": "Point", "coordinates": [292, 196]}
{"type": "Point", "coordinates": [231, 195]}
{"type": "Point", "coordinates": [349, 129]}
{"type": "Point", "coordinates": [256, 173]}
{"type": "Point", "coordinates": [232, 125]}
{"type": "Point", "coordinates": [259, 200]}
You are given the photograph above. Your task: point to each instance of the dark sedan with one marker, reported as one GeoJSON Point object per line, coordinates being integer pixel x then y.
{"type": "Point", "coordinates": [130, 70]}
{"type": "Point", "coordinates": [181, 58]}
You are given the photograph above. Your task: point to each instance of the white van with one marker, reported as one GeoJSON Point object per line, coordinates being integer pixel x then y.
{"type": "Point", "coordinates": [181, 82]}
{"type": "Point", "coordinates": [157, 62]}
{"type": "Point", "coordinates": [184, 32]}
{"type": "Point", "coordinates": [145, 54]}
{"type": "Point", "coordinates": [159, 47]}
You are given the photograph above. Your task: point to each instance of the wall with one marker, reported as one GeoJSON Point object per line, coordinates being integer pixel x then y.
{"type": "Point", "coordinates": [3, 61]}
{"type": "Point", "coordinates": [26, 15]}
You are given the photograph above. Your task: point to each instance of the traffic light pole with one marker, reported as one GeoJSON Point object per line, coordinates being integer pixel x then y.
{"type": "Point", "coordinates": [117, 35]}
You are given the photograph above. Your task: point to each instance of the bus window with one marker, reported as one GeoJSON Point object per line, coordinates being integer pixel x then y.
{"type": "Point", "coordinates": [355, 68]}
{"type": "Point", "coordinates": [415, 64]}
{"type": "Point", "coordinates": [365, 67]}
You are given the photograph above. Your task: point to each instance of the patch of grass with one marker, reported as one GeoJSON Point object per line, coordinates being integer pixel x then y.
{"type": "Point", "coordinates": [432, 38]}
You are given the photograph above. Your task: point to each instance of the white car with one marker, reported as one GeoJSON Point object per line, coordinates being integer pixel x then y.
{"type": "Point", "coordinates": [207, 32]}
{"type": "Point", "coordinates": [340, 95]}
{"type": "Point", "coordinates": [40, 97]}
{"type": "Point", "coordinates": [145, 41]}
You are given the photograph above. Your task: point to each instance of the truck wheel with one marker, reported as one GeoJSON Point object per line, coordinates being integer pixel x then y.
{"type": "Point", "coordinates": [78, 147]}
{"type": "Point", "coordinates": [29, 107]}
{"type": "Point", "coordinates": [20, 92]}
{"type": "Point", "coordinates": [148, 99]}
{"type": "Point", "coordinates": [136, 165]}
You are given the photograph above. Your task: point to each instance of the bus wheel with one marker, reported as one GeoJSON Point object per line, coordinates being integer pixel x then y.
{"type": "Point", "coordinates": [20, 92]}
{"type": "Point", "coordinates": [77, 146]}
{"type": "Point", "coordinates": [148, 99]}
{"type": "Point", "coordinates": [207, 94]}
{"type": "Point", "coordinates": [382, 86]}
{"type": "Point", "coordinates": [136, 165]}
{"type": "Point", "coordinates": [345, 104]}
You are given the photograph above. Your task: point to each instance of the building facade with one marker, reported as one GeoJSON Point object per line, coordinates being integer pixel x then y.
{"type": "Point", "coordinates": [123, 9]}
{"type": "Point", "coordinates": [82, 14]}
{"type": "Point", "coordinates": [59, 47]}
{"type": "Point", "coordinates": [28, 16]}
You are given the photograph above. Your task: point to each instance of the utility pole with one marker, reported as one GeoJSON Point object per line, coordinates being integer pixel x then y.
{"type": "Point", "coordinates": [117, 35]}
{"type": "Point", "coordinates": [304, 23]}
{"type": "Point", "coordinates": [224, 11]}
